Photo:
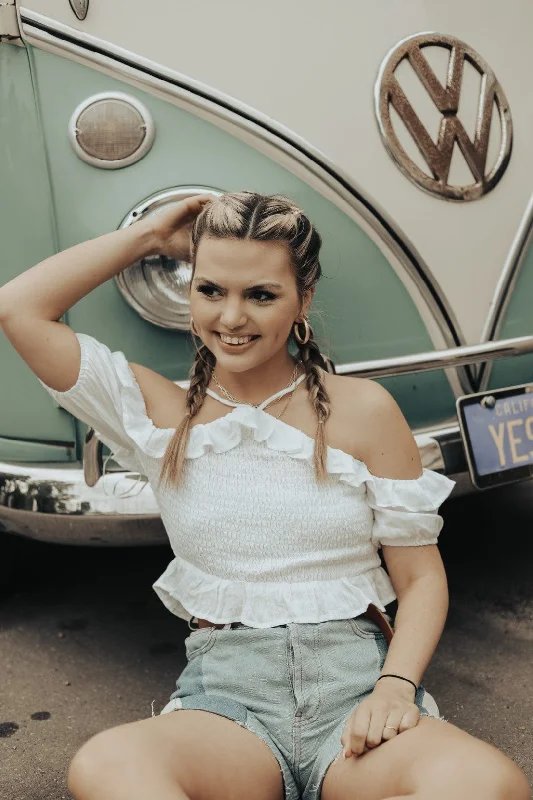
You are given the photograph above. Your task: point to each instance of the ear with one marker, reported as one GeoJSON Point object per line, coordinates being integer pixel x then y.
{"type": "Point", "coordinates": [306, 304]}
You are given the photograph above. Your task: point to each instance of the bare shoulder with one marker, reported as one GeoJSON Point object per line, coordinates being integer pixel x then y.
{"type": "Point", "coordinates": [165, 401]}
{"type": "Point", "coordinates": [361, 397]}
{"type": "Point", "coordinates": [375, 426]}
{"type": "Point", "coordinates": [345, 390]}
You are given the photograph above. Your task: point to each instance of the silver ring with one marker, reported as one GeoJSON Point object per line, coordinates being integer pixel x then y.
{"type": "Point", "coordinates": [391, 728]}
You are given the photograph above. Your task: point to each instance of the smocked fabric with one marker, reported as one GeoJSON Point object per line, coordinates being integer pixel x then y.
{"type": "Point", "coordinates": [256, 539]}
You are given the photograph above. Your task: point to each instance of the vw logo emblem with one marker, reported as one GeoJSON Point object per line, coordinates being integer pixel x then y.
{"type": "Point", "coordinates": [437, 154]}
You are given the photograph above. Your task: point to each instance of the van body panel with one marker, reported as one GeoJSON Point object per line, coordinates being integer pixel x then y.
{"type": "Point", "coordinates": [26, 237]}
{"type": "Point", "coordinates": [366, 311]}
{"type": "Point", "coordinates": [321, 85]}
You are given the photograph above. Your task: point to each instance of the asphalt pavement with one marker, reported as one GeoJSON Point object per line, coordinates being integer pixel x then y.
{"type": "Point", "coordinates": [85, 644]}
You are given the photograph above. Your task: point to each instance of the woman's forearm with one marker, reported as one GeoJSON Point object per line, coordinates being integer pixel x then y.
{"type": "Point", "coordinates": [422, 610]}
{"type": "Point", "coordinates": [53, 286]}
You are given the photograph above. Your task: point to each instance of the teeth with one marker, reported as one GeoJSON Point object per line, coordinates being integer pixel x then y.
{"type": "Point", "coordinates": [235, 339]}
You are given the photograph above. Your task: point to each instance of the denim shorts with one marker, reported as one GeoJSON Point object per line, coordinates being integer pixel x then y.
{"type": "Point", "coordinates": [293, 685]}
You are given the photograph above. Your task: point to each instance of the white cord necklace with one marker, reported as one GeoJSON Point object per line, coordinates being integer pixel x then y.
{"type": "Point", "coordinates": [229, 396]}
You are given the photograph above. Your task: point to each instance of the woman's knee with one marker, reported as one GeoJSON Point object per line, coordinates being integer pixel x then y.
{"type": "Point", "coordinates": [96, 763]}
{"type": "Point", "coordinates": [509, 780]}
{"type": "Point", "coordinates": [478, 771]}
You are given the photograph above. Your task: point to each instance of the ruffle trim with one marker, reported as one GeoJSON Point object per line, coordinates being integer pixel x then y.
{"type": "Point", "coordinates": [425, 493]}
{"type": "Point", "coordinates": [188, 592]}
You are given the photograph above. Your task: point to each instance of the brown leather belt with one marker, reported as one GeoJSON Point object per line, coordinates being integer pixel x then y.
{"type": "Point", "coordinates": [372, 613]}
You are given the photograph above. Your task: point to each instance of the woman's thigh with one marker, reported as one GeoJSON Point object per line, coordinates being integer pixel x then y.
{"type": "Point", "coordinates": [203, 754]}
{"type": "Point", "coordinates": [435, 760]}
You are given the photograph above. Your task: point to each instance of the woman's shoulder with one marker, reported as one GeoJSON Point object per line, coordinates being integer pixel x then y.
{"type": "Point", "coordinates": [364, 395]}
{"type": "Point", "coordinates": [165, 401]}
{"type": "Point", "coordinates": [373, 426]}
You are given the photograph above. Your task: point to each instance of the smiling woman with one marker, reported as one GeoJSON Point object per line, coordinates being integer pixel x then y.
{"type": "Point", "coordinates": [276, 526]}
{"type": "Point", "coordinates": [255, 267]}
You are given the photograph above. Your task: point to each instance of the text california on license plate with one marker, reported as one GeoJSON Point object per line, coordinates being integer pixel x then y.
{"type": "Point", "coordinates": [497, 431]}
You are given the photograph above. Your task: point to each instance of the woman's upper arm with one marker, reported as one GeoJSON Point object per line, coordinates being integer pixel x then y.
{"type": "Point", "coordinates": [50, 349]}
{"type": "Point", "coordinates": [408, 564]}
{"type": "Point", "coordinates": [103, 396]}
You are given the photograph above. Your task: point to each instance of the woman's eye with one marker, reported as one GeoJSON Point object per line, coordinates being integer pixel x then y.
{"type": "Point", "coordinates": [212, 293]}
{"type": "Point", "coordinates": [208, 291]}
{"type": "Point", "coordinates": [262, 297]}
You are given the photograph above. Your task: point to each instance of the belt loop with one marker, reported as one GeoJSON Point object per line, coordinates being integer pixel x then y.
{"type": "Point", "coordinates": [189, 624]}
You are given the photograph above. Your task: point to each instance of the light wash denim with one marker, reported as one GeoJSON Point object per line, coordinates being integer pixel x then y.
{"type": "Point", "coordinates": [292, 685]}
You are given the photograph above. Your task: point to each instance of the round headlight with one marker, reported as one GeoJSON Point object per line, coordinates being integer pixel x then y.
{"type": "Point", "coordinates": [157, 287]}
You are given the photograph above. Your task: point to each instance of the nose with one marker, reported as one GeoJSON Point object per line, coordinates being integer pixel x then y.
{"type": "Point", "coordinates": [232, 314]}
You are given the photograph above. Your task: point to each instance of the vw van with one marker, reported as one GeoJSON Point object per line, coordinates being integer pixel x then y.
{"type": "Point", "coordinates": [404, 133]}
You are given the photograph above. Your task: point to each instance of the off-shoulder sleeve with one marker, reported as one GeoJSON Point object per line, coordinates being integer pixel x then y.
{"type": "Point", "coordinates": [405, 511]}
{"type": "Point", "coordinates": [96, 398]}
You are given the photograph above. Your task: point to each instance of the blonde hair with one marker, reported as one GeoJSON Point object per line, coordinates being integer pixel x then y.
{"type": "Point", "coordinates": [247, 215]}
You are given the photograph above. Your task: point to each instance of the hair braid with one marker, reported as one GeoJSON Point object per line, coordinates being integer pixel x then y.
{"type": "Point", "coordinates": [313, 362]}
{"type": "Point", "coordinates": [200, 375]}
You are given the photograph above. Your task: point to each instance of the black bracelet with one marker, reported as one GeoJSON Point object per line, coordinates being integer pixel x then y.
{"type": "Point", "coordinates": [401, 678]}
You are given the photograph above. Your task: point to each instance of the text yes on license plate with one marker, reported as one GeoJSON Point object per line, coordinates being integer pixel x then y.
{"type": "Point", "coordinates": [497, 430]}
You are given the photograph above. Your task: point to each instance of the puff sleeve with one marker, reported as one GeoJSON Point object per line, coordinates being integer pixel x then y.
{"type": "Point", "coordinates": [405, 511]}
{"type": "Point", "coordinates": [97, 398]}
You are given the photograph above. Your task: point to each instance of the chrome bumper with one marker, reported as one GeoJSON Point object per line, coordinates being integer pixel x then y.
{"type": "Point", "coordinates": [54, 503]}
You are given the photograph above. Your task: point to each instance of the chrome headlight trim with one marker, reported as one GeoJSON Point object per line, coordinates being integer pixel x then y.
{"type": "Point", "coordinates": [157, 287]}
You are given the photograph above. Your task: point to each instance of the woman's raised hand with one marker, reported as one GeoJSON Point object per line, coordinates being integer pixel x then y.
{"type": "Point", "coordinates": [171, 226]}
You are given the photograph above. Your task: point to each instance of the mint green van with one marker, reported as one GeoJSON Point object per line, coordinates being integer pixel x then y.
{"type": "Point", "coordinates": [405, 136]}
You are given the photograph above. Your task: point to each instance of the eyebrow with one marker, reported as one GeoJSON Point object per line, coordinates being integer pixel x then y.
{"type": "Point", "coordinates": [263, 285]}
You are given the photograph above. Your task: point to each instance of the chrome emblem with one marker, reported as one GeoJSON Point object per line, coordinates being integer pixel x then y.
{"type": "Point", "coordinates": [80, 7]}
{"type": "Point", "coordinates": [437, 155]}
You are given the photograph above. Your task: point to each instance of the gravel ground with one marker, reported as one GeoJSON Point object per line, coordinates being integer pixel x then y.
{"type": "Point", "coordinates": [85, 643]}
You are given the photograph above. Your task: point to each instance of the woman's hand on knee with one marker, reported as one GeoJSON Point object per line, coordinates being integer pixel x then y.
{"type": "Point", "coordinates": [385, 713]}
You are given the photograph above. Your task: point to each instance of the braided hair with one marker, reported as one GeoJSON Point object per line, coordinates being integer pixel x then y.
{"type": "Point", "coordinates": [248, 215]}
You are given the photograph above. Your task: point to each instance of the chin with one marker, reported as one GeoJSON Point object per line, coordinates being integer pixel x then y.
{"type": "Point", "coordinates": [237, 364]}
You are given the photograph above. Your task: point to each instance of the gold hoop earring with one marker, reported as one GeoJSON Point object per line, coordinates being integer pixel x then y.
{"type": "Point", "coordinates": [193, 328]}
{"type": "Point", "coordinates": [296, 331]}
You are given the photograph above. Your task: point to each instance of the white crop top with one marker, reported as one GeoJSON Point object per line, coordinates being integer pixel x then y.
{"type": "Point", "coordinates": [256, 539]}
